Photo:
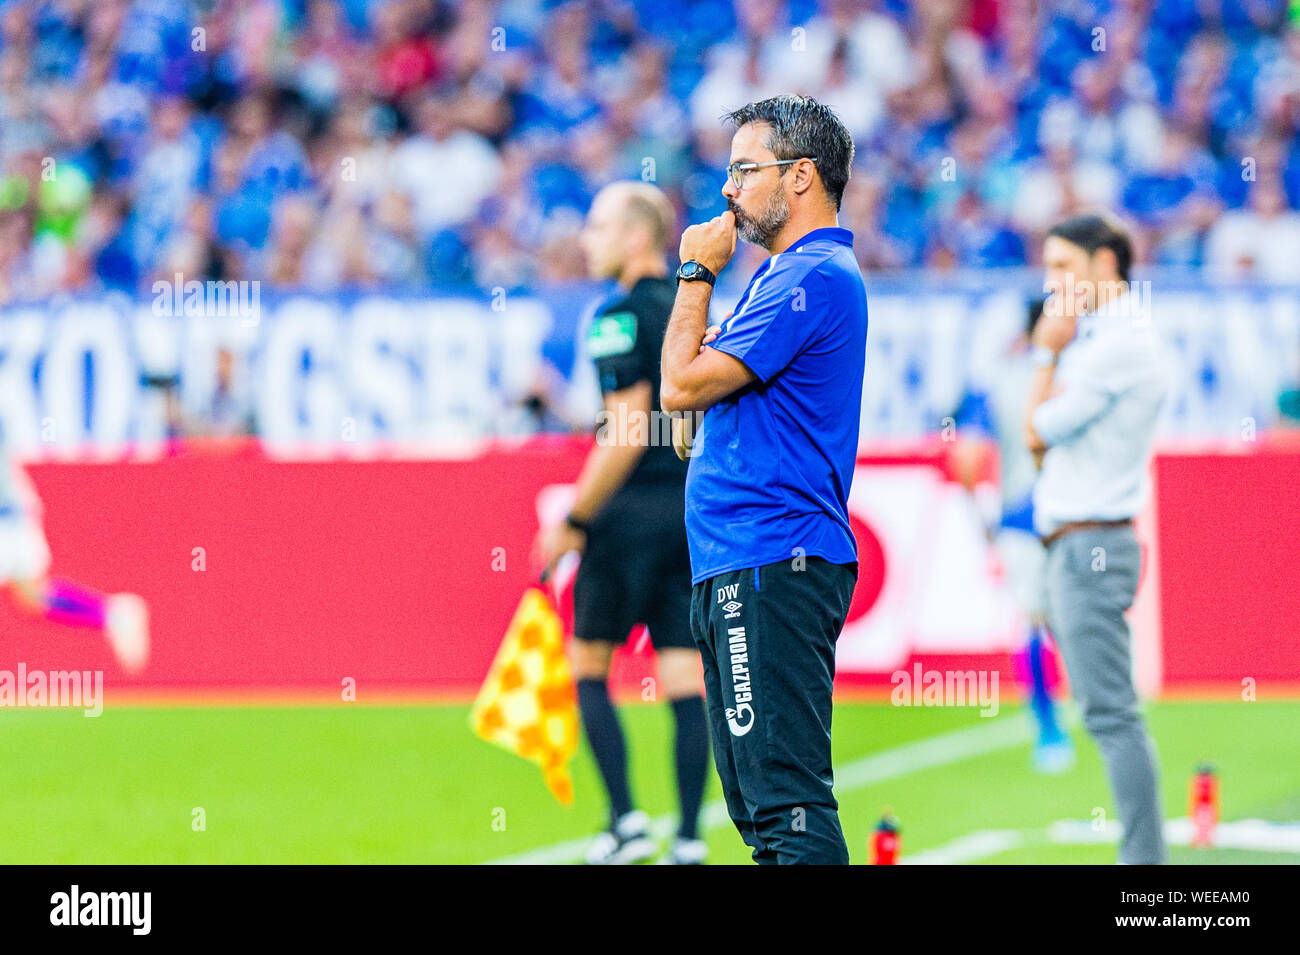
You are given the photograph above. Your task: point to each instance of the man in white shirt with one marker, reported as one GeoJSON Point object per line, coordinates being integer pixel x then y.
{"type": "Point", "coordinates": [1258, 242]}
{"type": "Point", "coordinates": [461, 155]}
{"type": "Point", "coordinates": [1100, 380]}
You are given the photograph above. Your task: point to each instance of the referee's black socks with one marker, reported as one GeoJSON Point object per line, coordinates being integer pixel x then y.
{"type": "Point", "coordinates": [605, 736]}
{"type": "Point", "coordinates": [692, 759]}
{"type": "Point", "coordinates": [690, 752]}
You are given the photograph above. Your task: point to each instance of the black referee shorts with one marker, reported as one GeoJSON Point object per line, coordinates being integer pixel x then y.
{"type": "Point", "coordinates": [636, 569]}
{"type": "Point", "coordinates": [767, 638]}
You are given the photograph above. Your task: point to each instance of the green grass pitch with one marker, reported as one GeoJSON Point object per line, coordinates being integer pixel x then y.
{"type": "Point", "coordinates": [411, 784]}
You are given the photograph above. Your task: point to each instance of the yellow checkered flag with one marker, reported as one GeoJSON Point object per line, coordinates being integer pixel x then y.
{"type": "Point", "coordinates": [527, 703]}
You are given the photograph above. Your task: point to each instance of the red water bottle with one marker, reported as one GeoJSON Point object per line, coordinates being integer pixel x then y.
{"type": "Point", "coordinates": [1203, 806]}
{"type": "Point", "coordinates": [884, 844]}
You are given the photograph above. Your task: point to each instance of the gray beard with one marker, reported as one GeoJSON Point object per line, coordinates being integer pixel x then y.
{"type": "Point", "coordinates": [761, 231]}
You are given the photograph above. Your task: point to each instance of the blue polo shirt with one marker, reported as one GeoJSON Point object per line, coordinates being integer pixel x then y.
{"type": "Point", "coordinates": [773, 462]}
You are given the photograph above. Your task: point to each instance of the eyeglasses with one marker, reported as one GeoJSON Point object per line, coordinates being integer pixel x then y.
{"type": "Point", "coordinates": [737, 171]}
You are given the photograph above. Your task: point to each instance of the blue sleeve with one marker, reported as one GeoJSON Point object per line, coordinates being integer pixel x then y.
{"type": "Point", "coordinates": [777, 319]}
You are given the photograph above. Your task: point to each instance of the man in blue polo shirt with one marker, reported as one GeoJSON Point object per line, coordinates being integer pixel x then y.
{"type": "Point", "coordinates": [776, 392]}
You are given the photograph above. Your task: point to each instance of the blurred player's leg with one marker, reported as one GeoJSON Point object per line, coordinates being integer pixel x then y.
{"type": "Point", "coordinates": [122, 618]}
{"type": "Point", "coordinates": [126, 624]}
{"type": "Point", "coordinates": [1024, 561]}
{"type": "Point", "coordinates": [63, 601]}
{"type": "Point", "coordinates": [1054, 752]}
{"type": "Point", "coordinates": [25, 560]}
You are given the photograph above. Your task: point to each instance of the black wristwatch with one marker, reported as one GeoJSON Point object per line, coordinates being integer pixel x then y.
{"type": "Point", "coordinates": [692, 271]}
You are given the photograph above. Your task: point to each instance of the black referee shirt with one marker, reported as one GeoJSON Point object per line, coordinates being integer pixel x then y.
{"type": "Point", "coordinates": [626, 339]}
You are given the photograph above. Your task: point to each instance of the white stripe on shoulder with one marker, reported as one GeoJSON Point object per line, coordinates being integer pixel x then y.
{"type": "Point", "coordinates": [753, 291]}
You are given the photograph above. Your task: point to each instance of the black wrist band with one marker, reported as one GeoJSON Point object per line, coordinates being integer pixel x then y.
{"type": "Point", "coordinates": [576, 523]}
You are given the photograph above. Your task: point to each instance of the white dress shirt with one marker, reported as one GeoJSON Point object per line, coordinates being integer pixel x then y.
{"type": "Point", "coordinates": [1114, 377]}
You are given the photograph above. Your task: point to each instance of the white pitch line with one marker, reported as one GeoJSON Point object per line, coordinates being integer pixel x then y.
{"type": "Point", "coordinates": [1256, 834]}
{"type": "Point", "coordinates": [974, 845]}
{"type": "Point", "coordinates": [893, 763]}
{"type": "Point", "coordinates": [1259, 835]}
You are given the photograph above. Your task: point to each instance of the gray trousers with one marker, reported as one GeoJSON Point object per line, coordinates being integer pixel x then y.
{"type": "Point", "coordinates": [1091, 578]}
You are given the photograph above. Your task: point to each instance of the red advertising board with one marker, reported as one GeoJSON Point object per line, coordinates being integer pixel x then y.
{"type": "Point", "coordinates": [402, 574]}
{"type": "Point", "coordinates": [1229, 529]}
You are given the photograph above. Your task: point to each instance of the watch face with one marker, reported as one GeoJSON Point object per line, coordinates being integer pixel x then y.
{"type": "Point", "coordinates": [690, 270]}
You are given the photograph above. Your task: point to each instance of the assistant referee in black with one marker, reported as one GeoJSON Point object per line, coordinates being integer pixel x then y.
{"type": "Point", "coordinates": [627, 520]}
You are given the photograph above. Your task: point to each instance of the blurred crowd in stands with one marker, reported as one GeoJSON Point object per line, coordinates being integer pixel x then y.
{"type": "Point", "coordinates": [407, 143]}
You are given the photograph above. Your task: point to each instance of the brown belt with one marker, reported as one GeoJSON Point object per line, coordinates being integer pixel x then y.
{"type": "Point", "coordinates": [1070, 527]}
